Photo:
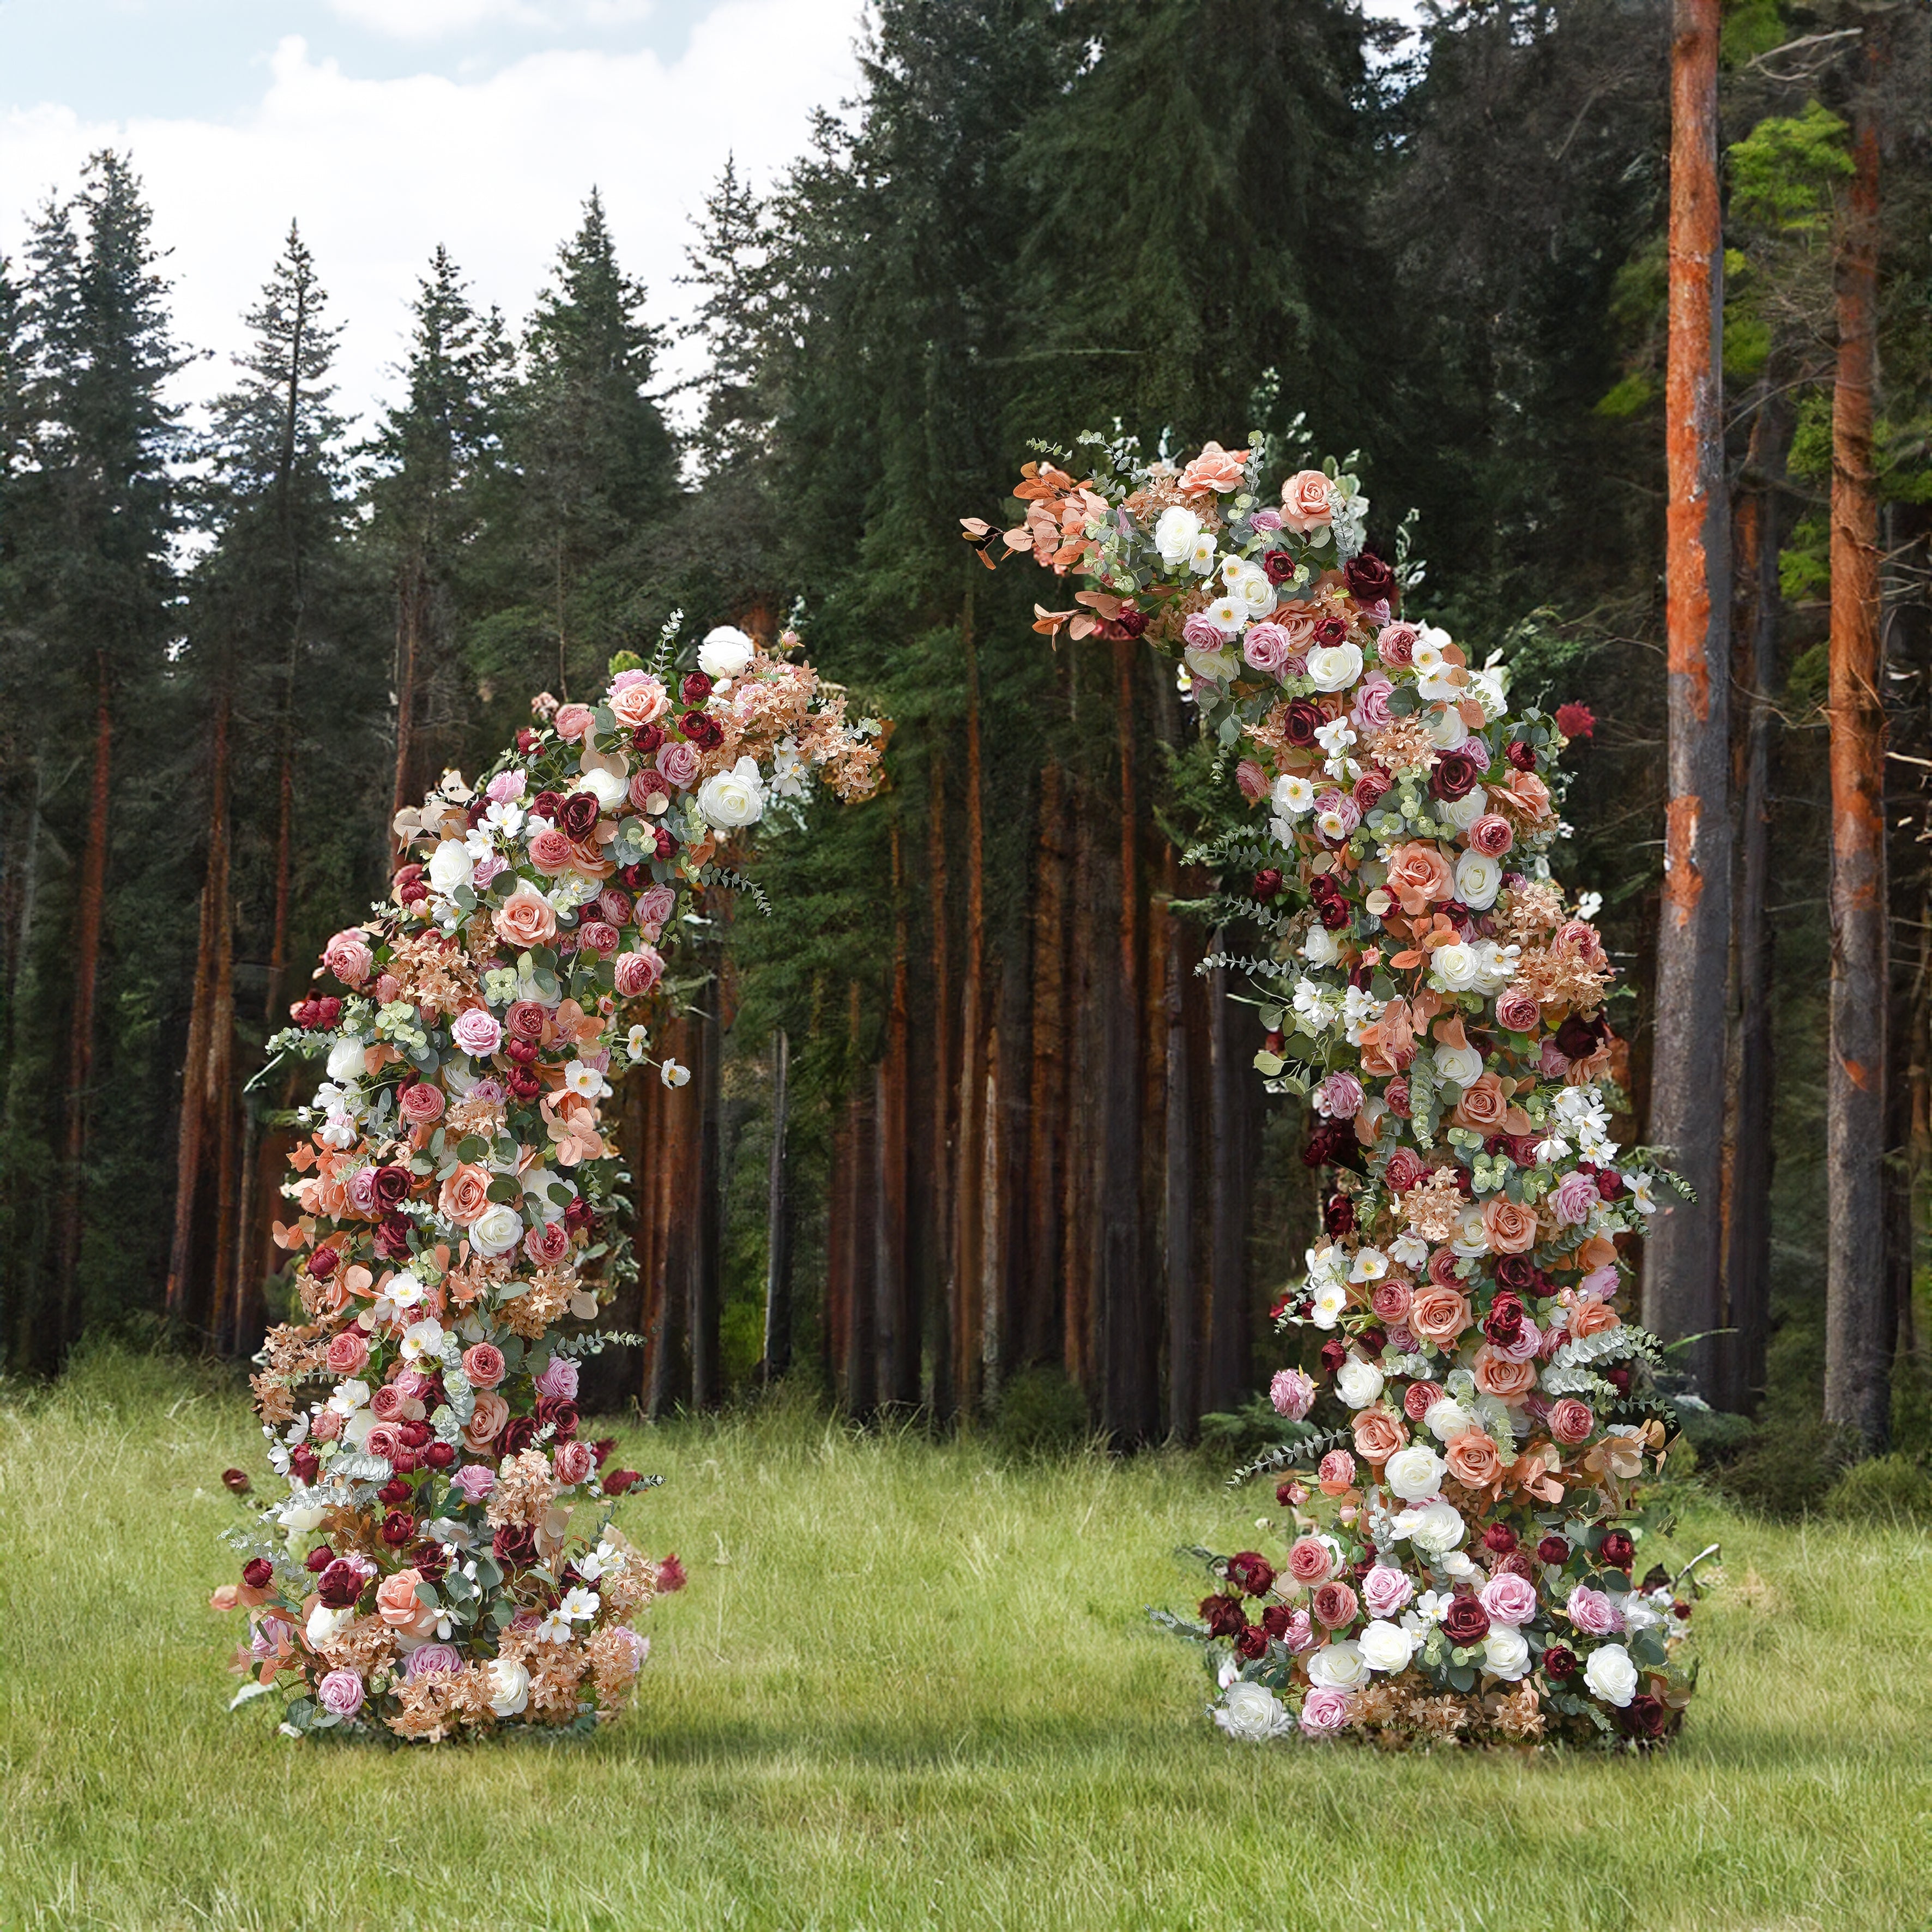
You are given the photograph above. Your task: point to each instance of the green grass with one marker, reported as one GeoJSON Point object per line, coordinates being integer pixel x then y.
{"type": "Point", "coordinates": [910, 1685]}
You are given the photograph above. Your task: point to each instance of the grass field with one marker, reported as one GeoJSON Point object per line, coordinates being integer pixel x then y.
{"type": "Point", "coordinates": [910, 1685]}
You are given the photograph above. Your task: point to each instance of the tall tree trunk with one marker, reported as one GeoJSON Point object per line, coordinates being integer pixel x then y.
{"type": "Point", "coordinates": [778, 1219]}
{"type": "Point", "coordinates": [1088, 964]}
{"type": "Point", "coordinates": [1859, 1338]}
{"type": "Point", "coordinates": [1183, 1300]}
{"type": "Point", "coordinates": [1038, 1328]}
{"type": "Point", "coordinates": [898, 1334]}
{"type": "Point", "coordinates": [89, 911]}
{"type": "Point", "coordinates": [707, 1385]}
{"type": "Point", "coordinates": [1682, 1286]}
{"type": "Point", "coordinates": [407, 789]}
{"type": "Point", "coordinates": [938, 1161]}
{"type": "Point", "coordinates": [1748, 1176]}
{"type": "Point", "coordinates": [969, 1186]}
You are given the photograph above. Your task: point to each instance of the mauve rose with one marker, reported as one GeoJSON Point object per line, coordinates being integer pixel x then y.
{"type": "Point", "coordinates": [1395, 644]}
{"type": "Point", "coordinates": [1419, 1398]}
{"type": "Point", "coordinates": [647, 786]}
{"type": "Point", "coordinates": [551, 852]}
{"type": "Point", "coordinates": [1405, 1170]}
{"type": "Point", "coordinates": [1324, 1711]}
{"type": "Point", "coordinates": [1390, 1298]}
{"type": "Point", "coordinates": [1492, 835]}
{"type": "Point", "coordinates": [559, 1378]}
{"type": "Point", "coordinates": [1334, 1605]}
{"type": "Point", "coordinates": [386, 1404]}
{"type": "Point", "coordinates": [1309, 1560]}
{"type": "Point", "coordinates": [1575, 1196]}
{"type": "Point", "coordinates": [384, 1441]}
{"type": "Point", "coordinates": [1592, 1612]}
{"type": "Point", "coordinates": [1454, 777]}
{"type": "Point", "coordinates": [1397, 1094]}
{"type": "Point", "coordinates": [636, 973]}
{"type": "Point", "coordinates": [655, 905]}
{"type": "Point", "coordinates": [678, 764]}
{"type": "Point", "coordinates": [1385, 1590]}
{"type": "Point", "coordinates": [339, 1694]}
{"type": "Point", "coordinates": [1508, 1599]}
{"type": "Point", "coordinates": [1340, 1095]}
{"type": "Point", "coordinates": [1303, 719]}
{"type": "Point", "coordinates": [1372, 711]}
{"type": "Point", "coordinates": [483, 1363]}
{"type": "Point", "coordinates": [548, 1243]}
{"type": "Point", "coordinates": [1337, 1471]}
{"type": "Point", "coordinates": [476, 1031]}
{"type": "Point", "coordinates": [1553, 1063]}
{"type": "Point", "coordinates": [1199, 633]}
{"type": "Point", "coordinates": [487, 1420]}
{"type": "Point", "coordinates": [419, 1103]}
{"type": "Point", "coordinates": [347, 1352]}
{"type": "Point", "coordinates": [1292, 1393]}
{"type": "Point", "coordinates": [475, 1481]}
{"type": "Point", "coordinates": [572, 721]}
{"type": "Point", "coordinates": [614, 905]}
{"type": "Point", "coordinates": [433, 1660]}
{"type": "Point", "coordinates": [574, 1462]}
{"type": "Point", "coordinates": [1570, 1422]}
{"type": "Point", "coordinates": [1518, 1011]}
{"type": "Point", "coordinates": [597, 936]}
{"type": "Point", "coordinates": [1267, 647]}
{"type": "Point", "coordinates": [525, 1021]}
{"type": "Point", "coordinates": [347, 955]}
{"type": "Point", "coordinates": [1465, 1622]}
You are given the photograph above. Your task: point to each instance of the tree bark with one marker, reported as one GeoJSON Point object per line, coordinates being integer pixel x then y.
{"type": "Point", "coordinates": [1859, 1340]}
{"type": "Point", "coordinates": [969, 1185]}
{"type": "Point", "coordinates": [938, 1161]}
{"type": "Point", "coordinates": [706, 1271]}
{"type": "Point", "coordinates": [1184, 1301]}
{"type": "Point", "coordinates": [1682, 1287]}
{"type": "Point", "coordinates": [1229, 1352]}
{"type": "Point", "coordinates": [778, 1219]}
{"type": "Point", "coordinates": [897, 1331]}
{"type": "Point", "coordinates": [1038, 1328]}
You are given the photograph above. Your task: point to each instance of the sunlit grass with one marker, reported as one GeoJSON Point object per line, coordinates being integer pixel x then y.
{"type": "Point", "coordinates": [910, 1685]}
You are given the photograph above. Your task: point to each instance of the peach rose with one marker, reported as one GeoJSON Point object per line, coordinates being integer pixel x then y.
{"type": "Point", "coordinates": [1498, 1375]}
{"type": "Point", "coordinates": [465, 1197]}
{"type": "Point", "coordinates": [642, 702]}
{"type": "Point", "coordinates": [1419, 1398]}
{"type": "Point", "coordinates": [1524, 793]}
{"type": "Point", "coordinates": [1378, 1435]}
{"type": "Point", "coordinates": [483, 1363]}
{"type": "Point", "coordinates": [525, 918]}
{"type": "Point", "coordinates": [486, 1422]}
{"type": "Point", "coordinates": [1510, 1226]}
{"type": "Point", "coordinates": [572, 721]}
{"type": "Point", "coordinates": [1309, 1560]}
{"type": "Point", "coordinates": [347, 1352]}
{"type": "Point", "coordinates": [1482, 1105]}
{"type": "Point", "coordinates": [1592, 1317]}
{"type": "Point", "coordinates": [1571, 1421]}
{"type": "Point", "coordinates": [1420, 876]}
{"type": "Point", "coordinates": [1390, 1298]}
{"type": "Point", "coordinates": [552, 852]}
{"type": "Point", "coordinates": [1439, 1315]}
{"type": "Point", "coordinates": [1336, 1472]}
{"type": "Point", "coordinates": [399, 1606]}
{"type": "Point", "coordinates": [1492, 835]}
{"type": "Point", "coordinates": [1305, 503]}
{"type": "Point", "coordinates": [1475, 1460]}
{"type": "Point", "coordinates": [1215, 469]}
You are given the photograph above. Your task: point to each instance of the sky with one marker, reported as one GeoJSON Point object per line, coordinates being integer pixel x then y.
{"type": "Point", "coordinates": [386, 126]}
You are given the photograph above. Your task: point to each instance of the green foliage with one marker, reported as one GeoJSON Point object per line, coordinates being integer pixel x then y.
{"type": "Point", "coordinates": [1782, 174]}
{"type": "Point", "coordinates": [1895, 1488]}
{"type": "Point", "coordinates": [1041, 1411]}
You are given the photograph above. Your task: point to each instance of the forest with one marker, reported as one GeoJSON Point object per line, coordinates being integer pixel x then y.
{"type": "Point", "coordinates": [973, 1133]}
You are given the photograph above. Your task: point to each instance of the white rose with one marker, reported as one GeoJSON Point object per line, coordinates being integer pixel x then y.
{"type": "Point", "coordinates": [729, 799]}
{"type": "Point", "coordinates": [1471, 1238]}
{"type": "Point", "coordinates": [1455, 968]}
{"type": "Point", "coordinates": [1338, 1666]}
{"type": "Point", "coordinates": [724, 652]}
{"type": "Point", "coordinates": [1173, 535]}
{"type": "Point", "coordinates": [1435, 1530]}
{"type": "Point", "coordinates": [1446, 729]}
{"type": "Point", "coordinates": [1611, 1675]}
{"type": "Point", "coordinates": [606, 787]}
{"type": "Point", "coordinates": [1464, 812]}
{"type": "Point", "coordinates": [509, 1686]}
{"type": "Point", "coordinates": [345, 1060]}
{"type": "Point", "coordinates": [1386, 1646]}
{"type": "Point", "coordinates": [1250, 584]}
{"type": "Point", "coordinates": [1253, 1713]}
{"type": "Point", "coordinates": [1478, 880]}
{"type": "Point", "coordinates": [1462, 1066]}
{"type": "Point", "coordinates": [299, 1518]}
{"type": "Point", "coordinates": [355, 1430]}
{"type": "Point", "coordinates": [1506, 1653]}
{"type": "Point", "coordinates": [1358, 1383]}
{"type": "Point", "coordinates": [1334, 666]}
{"type": "Point", "coordinates": [496, 1230]}
{"type": "Point", "coordinates": [453, 866]}
{"type": "Point", "coordinates": [325, 1625]}
{"type": "Point", "coordinates": [1414, 1472]}
{"type": "Point", "coordinates": [1446, 1418]}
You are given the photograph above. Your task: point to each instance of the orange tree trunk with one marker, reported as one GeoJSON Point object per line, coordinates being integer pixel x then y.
{"type": "Point", "coordinates": [968, 1229]}
{"type": "Point", "coordinates": [1682, 1287]}
{"type": "Point", "coordinates": [1858, 1347]}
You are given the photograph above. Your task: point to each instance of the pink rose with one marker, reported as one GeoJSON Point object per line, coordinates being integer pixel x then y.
{"type": "Point", "coordinates": [399, 1606]}
{"type": "Point", "coordinates": [614, 905]}
{"type": "Point", "coordinates": [347, 955]}
{"type": "Point", "coordinates": [572, 721]}
{"type": "Point", "coordinates": [1200, 633]}
{"type": "Point", "coordinates": [574, 1462]}
{"type": "Point", "coordinates": [1267, 647]}
{"type": "Point", "coordinates": [1371, 711]}
{"type": "Point", "coordinates": [326, 1426]}
{"type": "Point", "coordinates": [362, 1192]}
{"type": "Point", "coordinates": [1335, 1606]}
{"type": "Point", "coordinates": [546, 1244]}
{"type": "Point", "coordinates": [655, 904]}
{"type": "Point", "coordinates": [1305, 503]}
{"type": "Point", "coordinates": [525, 918]}
{"type": "Point", "coordinates": [649, 788]}
{"type": "Point", "coordinates": [1370, 788]}
{"type": "Point", "coordinates": [1576, 1194]}
{"type": "Point", "coordinates": [505, 788]}
{"type": "Point", "coordinates": [411, 1384]}
{"type": "Point", "coordinates": [476, 1031]}
{"type": "Point", "coordinates": [1390, 1298]}
{"type": "Point", "coordinates": [419, 1103]}
{"type": "Point", "coordinates": [1571, 1421]}
{"type": "Point", "coordinates": [433, 1660]}
{"type": "Point", "coordinates": [339, 1694]}
{"type": "Point", "coordinates": [560, 1378]}
{"type": "Point", "coordinates": [1509, 1599]}
{"type": "Point", "coordinates": [348, 1353]}
{"type": "Point", "coordinates": [597, 936]}
{"type": "Point", "coordinates": [552, 852]}
{"type": "Point", "coordinates": [386, 1404]}
{"type": "Point", "coordinates": [636, 973]}
{"type": "Point", "coordinates": [1309, 1560]}
{"type": "Point", "coordinates": [1405, 1170]}
{"type": "Point", "coordinates": [1292, 1393]}
{"type": "Point", "coordinates": [1266, 520]}
{"type": "Point", "coordinates": [1518, 1011]}
{"type": "Point", "coordinates": [1324, 1712]}
{"type": "Point", "coordinates": [643, 700]}
{"type": "Point", "coordinates": [1395, 645]}
{"type": "Point", "coordinates": [1592, 1612]}
{"type": "Point", "coordinates": [679, 763]}
{"type": "Point", "coordinates": [476, 1480]}
{"type": "Point", "coordinates": [1340, 1096]}
{"type": "Point", "coordinates": [384, 1440]}
{"type": "Point", "coordinates": [483, 1364]}
{"type": "Point", "coordinates": [1492, 835]}
{"type": "Point", "coordinates": [491, 865]}
{"type": "Point", "coordinates": [1251, 780]}
{"type": "Point", "coordinates": [1552, 1064]}
{"type": "Point", "coordinates": [1345, 809]}
{"type": "Point", "coordinates": [1385, 1590]}
{"type": "Point", "coordinates": [1337, 1471]}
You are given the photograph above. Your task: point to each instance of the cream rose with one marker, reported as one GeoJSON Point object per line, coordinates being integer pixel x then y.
{"type": "Point", "coordinates": [452, 866]}
{"type": "Point", "coordinates": [1478, 880]}
{"type": "Point", "coordinates": [1506, 1653]}
{"type": "Point", "coordinates": [1358, 1383]}
{"type": "Point", "coordinates": [1386, 1646]}
{"type": "Point", "coordinates": [1611, 1675]}
{"type": "Point", "coordinates": [1334, 666]}
{"type": "Point", "coordinates": [509, 1686]}
{"type": "Point", "coordinates": [1338, 1666]}
{"type": "Point", "coordinates": [725, 651]}
{"type": "Point", "coordinates": [1414, 1472]}
{"type": "Point", "coordinates": [496, 1230]}
{"type": "Point", "coordinates": [1252, 1713]}
{"type": "Point", "coordinates": [729, 799]}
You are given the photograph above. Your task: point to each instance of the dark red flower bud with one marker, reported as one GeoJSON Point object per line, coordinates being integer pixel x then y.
{"type": "Point", "coordinates": [395, 1490]}
{"type": "Point", "coordinates": [1284, 1492]}
{"type": "Point", "coordinates": [1277, 1619]}
{"type": "Point", "coordinates": [523, 1084]}
{"type": "Point", "coordinates": [527, 740]}
{"type": "Point", "coordinates": [646, 738]}
{"type": "Point", "coordinates": [305, 1462]}
{"type": "Point", "coordinates": [1520, 755]}
{"type": "Point", "coordinates": [398, 1526]}
{"type": "Point", "coordinates": [1499, 1539]}
{"type": "Point", "coordinates": [1553, 1549]}
{"type": "Point", "coordinates": [666, 844]}
{"type": "Point", "coordinates": [696, 687]}
{"type": "Point", "coordinates": [1334, 1353]}
{"type": "Point", "coordinates": [258, 1573]}
{"type": "Point", "coordinates": [1129, 621]}
{"type": "Point", "coordinates": [1251, 1572]}
{"type": "Point", "coordinates": [1617, 1550]}
{"type": "Point", "coordinates": [439, 1455]}
{"type": "Point", "coordinates": [340, 1584]}
{"type": "Point", "coordinates": [522, 1051]}
{"type": "Point", "coordinates": [579, 1214]}
{"type": "Point", "coordinates": [322, 1263]}
{"type": "Point", "coordinates": [1223, 1615]}
{"type": "Point", "coordinates": [619, 1481]}
{"type": "Point", "coordinates": [318, 1559]}
{"type": "Point", "coordinates": [1267, 883]}
{"type": "Point", "coordinates": [670, 1576]}
{"type": "Point", "coordinates": [1559, 1662]}
{"type": "Point", "coordinates": [1251, 1643]}
{"type": "Point", "coordinates": [415, 1434]}
{"type": "Point", "coordinates": [1339, 1215]}
{"type": "Point", "coordinates": [328, 1011]}
{"type": "Point", "coordinates": [1279, 565]}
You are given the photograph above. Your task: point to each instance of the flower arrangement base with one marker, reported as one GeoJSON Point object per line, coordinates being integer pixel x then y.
{"type": "Point", "coordinates": [1467, 1440]}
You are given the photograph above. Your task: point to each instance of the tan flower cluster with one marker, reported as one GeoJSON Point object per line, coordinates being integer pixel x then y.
{"type": "Point", "coordinates": [634, 1585]}
{"type": "Point", "coordinates": [424, 1714]}
{"type": "Point", "coordinates": [366, 1643]}
{"type": "Point", "coordinates": [477, 1117]}
{"type": "Point", "coordinates": [1403, 746]}
{"type": "Point", "coordinates": [773, 701]}
{"type": "Point", "coordinates": [292, 1355]}
{"type": "Point", "coordinates": [1434, 1208]}
{"type": "Point", "coordinates": [540, 1305]}
{"type": "Point", "coordinates": [1556, 979]}
{"type": "Point", "coordinates": [524, 1490]}
{"type": "Point", "coordinates": [1520, 1714]}
{"type": "Point", "coordinates": [613, 1663]}
{"type": "Point", "coordinates": [1529, 912]}
{"type": "Point", "coordinates": [432, 973]}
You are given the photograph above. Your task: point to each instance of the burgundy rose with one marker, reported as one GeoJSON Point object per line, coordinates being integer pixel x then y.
{"type": "Point", "coordinates": [1579, 1038]}
{"type": "Point", "coordinates": [410, 890]}
{"type": "Point", "coordinates": [392, 1238]}
{"type": "Point", "coordinates": [523, 1084]}
{"type": "Point", "coordinates": [305, 1462]}
{"type": "Point", "coordinates": [1334, 1353]}
{"type": "Point", "coordinates": [1465, 1622]}
{"type": "Point", "coordinates": [1521, 756]}
{"type": "Point", "coordinates": [578, 818]}
{"type": "Point", "coordinates": [1499, 1539]}
{"type": "Point", "coordinates": [666, 844]}
{"type": "Point", "coordinates": [1647, 1717]}
{"type": "Point", "coordinates": [1251, 1643]}
{"type": "Point", "coordinates": [1330, 632]}
{"type": "Point", "coordinates": [387, 1445]}
{"type": "Point", "coordinates": [1279, 565]}
{"type": "Point", "coordinates": [1252, 1572]}
{"type": "Point", "coordinates": [390, 1186]}
{"type": "Point", "coordinates": [1617, 1550]}
{"type": "Point", "coordinates": [1609, 1184]}
{"type": "Point", "coordinates": [1370, 788]}
{"type": "Point", "coordinates": [340, 1584]}
{"type": "Point", "coordinates": [527, 741]}
{"type": "Point", "coordinates": [525, 1021]}
{"type": "Point", "coordinates": [516, 1435]}
{"type": "Point", "coordinates": [1553, 1549]}
{"type": "Point", "coordinates": [580, 1214]}
{"type": "Point", "coordinates": [258, 1573]}
{"type": "Point", "coordinates": [560, 1412]}
{"type": "Point", "coordinates": [1618, 1374]}
{"type": "Point", "coordinates": [1267, 883]}
{"type": "Point", "coordinates": [1503, 1324]}
{"type": "Point", "coordinates": [1369, 580]}
{"type": "Point", "coordinates": [696, 687]}
{"type": "Point", "coordinates": [1223, 1615]}
{"type": "Point", "coordinates": [515, 1545]}
{"type": "Point", "coordinates": [1517, 1272]}
{"type": "Point", "coordinates": [619, 1481]}
{"type": "Point", "coordinates": [547, 804]}
{"type": "Point", "coordinates": [1338, 1216]}
{"type": "Point", "coordinates": [1454, 777]}
{"type": "Point", "coordinates": [1277, 1619]}
{"type": "Point", "coordinates": [1302, 720]}
{"type": "Point", "coordinates": [1130, 622]}
{"type": "Point", "coordinates": [398, 1526]}
{"type": "Point", "coordinates": [646, 738]}
{"type": "Point", "coordinates": [322, 1263]}
{"type": "Point", "coordinates": [1559, 1662]}
{"type": "Point", "coordinates": [701, 730]}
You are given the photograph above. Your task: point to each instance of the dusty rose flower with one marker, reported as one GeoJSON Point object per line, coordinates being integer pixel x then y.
{"type": "Point", "coordinates": [1334, 1605]}
{"type": "Point", "coordinates": [1483, 1104]}
{"type": "Point", "coordinates": [574, 1462]}
{"type": "Point", "coordinates": [1306, 502]}
{"type": "Point", "coordinates": [1419, 1398]}
{"type": "Point", "coordinates": [526, 1021]}
{"type": "Point", "coordinates": [1372, 711]}
{"type": "Point", "coordinates": [483, 1363]}
{"type": "Point", "coordinates": [347, 1352]}
{"type": "Point", "coordinates": [572, 721]}
{"type": "Point", "coordinates": [476, 1480]}
{"type": "Point", "coordinates": [1309, 1560]}
{"type": "Point", "coordinates": [476, 1031]}
{"type": "Point", "coordinates": [1336, 1472]}
{"type": "Point", "coordinates": [339, 1694]}
{"type": "Point", "coordinates": [1508, 1379]}
{"type": "Point", "coordinates": [1518, 1011]}
{"type": "Point", "coordinates": [559, 1378]}
{"type": "Point", "coordinates": [486, 1422]}
{"type": "Point", "coordinates": [548, 1243]}
{"type": "Point", "coordinates": [1378, 1435]}
{"type": "Point", "coordinates": [1571, 1421]}
{"type": "Point", "coordinates": [1385, 1590]}
{"type": "Point", "coordinates": [1404, 1170]}
{"type": "Point", "coordinates": [399, 1606]}
{"type": "Point", "coordinates": [642, 701]}
{"type": "Point", "coordinates": [1395, 644]}
{"type": "Point", "coordinates": [1292, 1393]}
{"type": "Point", "coordinates": [678, 764]}
{"type": "Point", "coordinates": [347, 955]}
{"type": "Point", "coordinates": [1509, 1599]}
{"type": "Point", "coordinates": [1510, 1226]}
{"type": "Point", "coordinates": [1574, 1197]}
{"type": "Point", "coordinates": [551, 852]}
{"type": "Point", "coordinates": [420, 1102]}
{"type": "Point", "coordinates": [1592, 1612]}
{"type": "Point", "coordinates": [1390, 1298]}
{"type": "Point", "coordinates": [636, 973]}
{"type": "Point", "coordinates": [1420, 876]}
{"type": "Point", "coordinates": [1492, 835]}
{"type": "Point", "coordinates": [525, 918]}
{"type": "Point", "coordinates": [1267, 647]}
{"type": "Point", "coordinates": [1439, 1315]}
{"type": "Point", "coordinates": [387, 1403]}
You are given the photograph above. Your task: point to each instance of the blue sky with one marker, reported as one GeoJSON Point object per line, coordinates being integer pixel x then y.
{"type": "Point", "coordinates": [386, 126]}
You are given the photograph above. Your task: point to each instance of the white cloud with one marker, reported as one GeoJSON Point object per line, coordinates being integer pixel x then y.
{"type": "Point", "coordinates": [378, 171]}
{"type": "Point", "coordinates": [430, 19]}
